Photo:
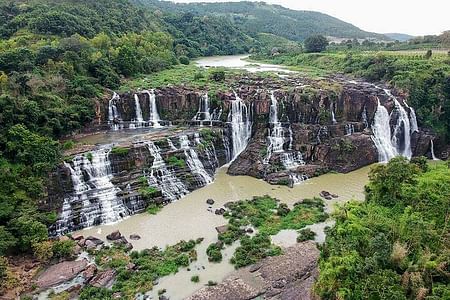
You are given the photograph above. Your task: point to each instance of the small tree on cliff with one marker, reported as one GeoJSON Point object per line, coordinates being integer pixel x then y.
{"type": "Point", "coordinates": [316, 43]}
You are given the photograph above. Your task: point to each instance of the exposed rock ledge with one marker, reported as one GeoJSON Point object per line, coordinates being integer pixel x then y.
{"type": "Point", "coordinates": [288, 276]}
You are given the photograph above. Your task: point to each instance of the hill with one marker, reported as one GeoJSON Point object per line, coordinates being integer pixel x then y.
{"type": "Point", "coordinates": [260, 17]}
{"type": "Point", "coordinates": [402, 37]}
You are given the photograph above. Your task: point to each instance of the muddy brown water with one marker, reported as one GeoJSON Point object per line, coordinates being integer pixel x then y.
{"type": "Point", "coordinates": [191, 218]}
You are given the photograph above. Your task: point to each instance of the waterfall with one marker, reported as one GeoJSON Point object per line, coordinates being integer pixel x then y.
{"type": "Point", "coordinates": [382, 134]}
{"type": "Point", "coordinates": [113, 113]}
{"type": "Point", "coordinates": [349, 129]}
{"type": "Point", "coordinates": [241, 126]}
{"type": "Point", "coordinates": [432, 150]}
{"type": "Point", "coordinates": [333, 119]}
{"type": "Point", "coordinates": [276, 133]}
{"type": "Point", "coordinates": [193, 161]}
{"type": "Point", "coordinates": [139, 118]}
{"type": "Point", "coordinates": [413, 118]}
{"type": "Point", "coordinates": [292, 160]}
{"type": "Point", "coordinates": [364, 117]}
{"type": "Point", "coordinates": [171, 145]}
{"type": "Point", "coordinates": [297, 178]}
{"type": "Point", "coordinates": [216, 114]}
{"type": "Point", "coordinates": [94, 199]}
{"type": "Point", "coordinates": [153, 113]}
{"type": "Point", "coordinates": [401, 137]}
{"type": "Point", "coordinates": [161, 177]}
{"type": "Point", "coordinates": [203, 113]}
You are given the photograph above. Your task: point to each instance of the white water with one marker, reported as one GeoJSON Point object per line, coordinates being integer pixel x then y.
{"type": "Point", "coordinates": [433, 156]}
{"type": "Point", "coordinates": [413, 118]}
{"type": "Point", "coordinates": [333, 118]}
{"type": "Point", "coordinates": [349, 129]}
{"type": "Point", "coordinates": [171, 145]}
{"type": "Point", "coordinates": [401, 136]}
{"type": "Point", "coordinates": [276, 133]}
{"type": "Point", "coordinates": [292, 160]}
{"type": "Point", "coordinates": [193, 161]}
{"type": "Point", "coordinates": [139, 118]}
{"type": "Point", "coordinates": [241, 126]}
{"type": "Point", "coordinates": [163, 178]}
{"type": "Point", "coordinates": [153, 113]}
{"type": "Point", "coordinates": [91, 177]}
{"type": "Point", "coordinates": [382, 134]}
{"type": "Point", "coordinates": [113, 113]}
{"type": "Point", "coordinates": [364, 117]}
{"type": "Point", "coordinates": [203, 113]}
{"type": "Point", "coordinates": [297, 178]}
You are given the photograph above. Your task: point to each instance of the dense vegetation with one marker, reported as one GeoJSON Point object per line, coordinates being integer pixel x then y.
{"type": "Point", "coordinates": [259, 17]}
{"type": "Point", "coordinates": [396, 244]}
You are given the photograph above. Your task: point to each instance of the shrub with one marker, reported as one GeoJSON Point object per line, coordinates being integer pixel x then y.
{"type": "Point", "coordinates": [64, 249]}
{"type": "Point", "coordinates": [305, 235]}
{"type": "Point", "coordinates": [195, 278]}
{"type": "Point", "coordinates": [120, 151]}
{"type": "Point", "coordinates": [214, 252]}
{"type": "Point", "coordinates": [211, 283]}
{"type": "Point", "coordinates": [184, 60]}
{"type": "Point", "coordinates": [154, 208]}
{"type": "Point", "coordinates": [176, 162]}
{"type": "Point", "coordinates": [43, 250]}
{"type": "Point", "coordinates": [3, 269]}
{"type": "Point", "coordinates": [217, 75]}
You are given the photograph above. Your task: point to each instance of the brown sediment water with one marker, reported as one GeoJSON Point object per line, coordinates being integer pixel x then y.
{"type": "Point", "coordinates": [191, 218]}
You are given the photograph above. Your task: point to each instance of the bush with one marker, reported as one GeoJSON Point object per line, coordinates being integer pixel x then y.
{"type": "Point", "coordinates": [217, 75]}
{"type": "Point", "coordinates": [214, 252]}
{"type": "Point", "coordinates": [195, 278]}
{"type": "Point", "coordinates": [184, 60]}
{"type": "Point", "coordinates": [64, 249]}
{"type": "Point", "coordinates": [316, 43]}
{"type": "Point", "coordinates": [120, 151]}
{"type": "Point", "coordinates": [43, 250]}
{"type": "Point", "coordinates": [305, 235]}
{"type": "Point", "coordinates": [154, 208]}
{"type": "Point", "coordinates": [3, 269]}
{"type": "Point", "coordinates": [176, 162]}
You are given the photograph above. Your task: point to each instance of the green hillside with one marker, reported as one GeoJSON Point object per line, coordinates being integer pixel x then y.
{"type": "Point", "coordinates": [259, 17]}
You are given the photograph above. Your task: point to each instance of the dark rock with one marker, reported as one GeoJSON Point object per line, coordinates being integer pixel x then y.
{"type": "Point", "coordinates": [103, 279]}
{"type": "Point", "coordinates": [74, 289]}
{"type": "Point", "coordinates": [324, 194]}
{"type": "Point", "coordinates": [249, 230]}
{"type": "Point", "coordinates": [95, 240]}
{"type": "Point", "coordinates": [334, 196]}
{"type": "Point", "coordinates": [114, 236]}
{"type": "Point", "coordinates": [222, 229]}
{"type": "Point", "coordinates": [220, 211]}
{"type": "Point", "coordinates": [163, 297]}
{"type": "Point", "coordinates": [210, 201]}
{"type": "Point", "coordinates": [60, 273]}
{"type": "Point", "coordinates": [135, 237]}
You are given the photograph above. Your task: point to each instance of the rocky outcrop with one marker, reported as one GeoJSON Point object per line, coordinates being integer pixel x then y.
{"type": "Point", "coordinates": [288, 276]}
{"type": "Point", "coordinates": [60, 273]}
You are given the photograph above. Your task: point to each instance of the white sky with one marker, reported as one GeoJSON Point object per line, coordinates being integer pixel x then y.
{"type": "Point", "coordinates": [415, 17]}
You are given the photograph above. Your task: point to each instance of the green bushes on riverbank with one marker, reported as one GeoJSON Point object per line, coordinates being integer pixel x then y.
{"type": "Point", "coordinates": [396, 244]}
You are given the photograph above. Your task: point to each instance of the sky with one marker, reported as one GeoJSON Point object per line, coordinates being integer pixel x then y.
{"type": "Point", "coordinates": [414, 17]}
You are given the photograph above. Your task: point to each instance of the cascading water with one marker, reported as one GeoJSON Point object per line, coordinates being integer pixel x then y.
{"type": "Point", "coordinates": [333, 118]}
{"type": "Point", "coordinates": [364, 118]}
{"type": "Point", "coordinates": [193, 161]}
{"type": "Point", "coordinates": [349, 129]}
{"type": "Point", "coordinates": [292, 160]}
{"type": "Point", "coordinates": [171, 145]}
{"type": "Point", "coordinates": [401, 136]}
{"type": "Point", "coordinates": [160, 176]}
{"type": "Point", "coordinates": [433, 156]}
{"type": "Point", "coordinates": [382, 134]}
{"type": "Point", "coordinates": [139, 118]}
{"type": "Point", "coordinates": [413, 118]}
{"type": "Point", "coordinates": [276, 132]}
{"type": "Point", "coordinates": [241, 126]}
{"type": "Point", "coordinates": [297, 178]}
{"type": "Point", "coordinates": [153, 113]}
{"type": "Point", "coordinates": [94, 200]}
{"type": "Point", "coordinates": [203, 113]}
{"type": "Point", "coordinates": [113, 113]}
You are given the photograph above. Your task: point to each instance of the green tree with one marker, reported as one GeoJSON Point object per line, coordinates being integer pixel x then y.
{"type": "Point", "coordinates": [315, 43]}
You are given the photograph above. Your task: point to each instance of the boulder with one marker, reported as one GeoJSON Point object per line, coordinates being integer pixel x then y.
{"type": "Point", "coordinates": [221, 229]}
{"type": "Point", "coordinates": [135, 237]}
{"type": "Point", "coordinates": [103, 279]}
{"type": "Point", "coordinates": [60, 273]}
{"type": "Point", "coordinates": [219, 211]}
{"type": "Point", "coordinates": [95, 240]}
{"type": "Point", "coordinates": [114, 236]}
{"type": "Point", "coordinates": [89, 272]}
{"type": "Point", "coordinates": [210, 201]}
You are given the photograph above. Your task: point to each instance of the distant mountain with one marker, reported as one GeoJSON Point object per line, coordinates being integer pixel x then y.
{"type": "Point", "coordinates": [259, 17]}
{"type": "Point", "coordinates": [402, 37]}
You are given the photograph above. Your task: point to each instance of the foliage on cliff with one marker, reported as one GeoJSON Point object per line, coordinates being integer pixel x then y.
{"type": "Point", "coordinates": [396, 244]}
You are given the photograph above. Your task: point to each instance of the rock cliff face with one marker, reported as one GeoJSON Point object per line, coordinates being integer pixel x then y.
{"type": "Point", "coordinates": [283, 131]}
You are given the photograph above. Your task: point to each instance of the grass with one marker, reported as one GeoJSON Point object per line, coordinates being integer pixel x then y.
{"type": "Point", "coordinates": [120, 151]}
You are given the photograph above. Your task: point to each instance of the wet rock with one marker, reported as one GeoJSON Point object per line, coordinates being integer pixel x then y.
{"type": "Point", "coordinates": [60, 273]}
{"type": "Point", "coordinates": [89, 272]}
{"type": "Point", "coordinates": [77, 237]}
{"type": "Point", "coordinates": [95, 240]}
{"type": "Point", "coordinates": [221, 229]}
{"type": "Point", "coordinates": [324, 194]}
{"type": "Point", "coordinates": [74, 289]}
{"type": "Point", "coordinates": [163, 297]}
{"type": "Point", "coordinates": [114, 236]}
{"type": "Point", "coordinates": [135, 237]}
{"type": "Point", "coordinates": [103, 279]}
{"type": "Point", "coordinates": [220, 211]}
{"type": "Point", "coordinates": [210, 201]}
{"type": "Point", "coordinates": [334, 196]}
{"type": "Point", "coordinates": [90, 245]}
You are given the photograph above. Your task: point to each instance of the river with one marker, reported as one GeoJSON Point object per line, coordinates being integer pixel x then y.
{"type": "Point", "coordinates": [189, 218]}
